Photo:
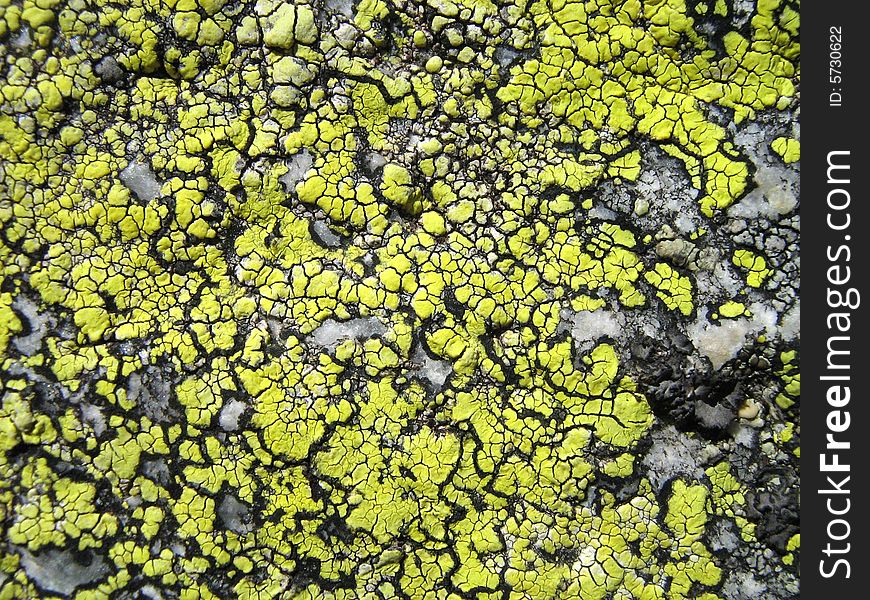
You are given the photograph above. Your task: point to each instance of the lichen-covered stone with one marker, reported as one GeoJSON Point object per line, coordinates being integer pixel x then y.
{"type": "Point", "coordinates": [379, 299]}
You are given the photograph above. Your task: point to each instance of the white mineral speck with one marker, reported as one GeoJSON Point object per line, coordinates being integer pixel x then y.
{"type": "Point", "coordinates": [331, 333]}
{"type": "Point", "coordinates": [140, 180]}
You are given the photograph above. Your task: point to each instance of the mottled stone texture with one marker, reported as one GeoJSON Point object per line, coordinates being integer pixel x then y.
{"type": "Point", "coordinates": [416, 299]}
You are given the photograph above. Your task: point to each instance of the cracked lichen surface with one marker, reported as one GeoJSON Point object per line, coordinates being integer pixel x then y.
{"type": "Point", "coordinates": [429, 299]}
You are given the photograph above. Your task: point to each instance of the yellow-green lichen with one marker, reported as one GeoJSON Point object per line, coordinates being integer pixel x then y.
{"type": "Point", "coordinates": [293, 292]}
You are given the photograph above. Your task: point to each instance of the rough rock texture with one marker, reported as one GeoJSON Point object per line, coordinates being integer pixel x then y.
{"type": "Point", "coordinates": [386, 299]}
